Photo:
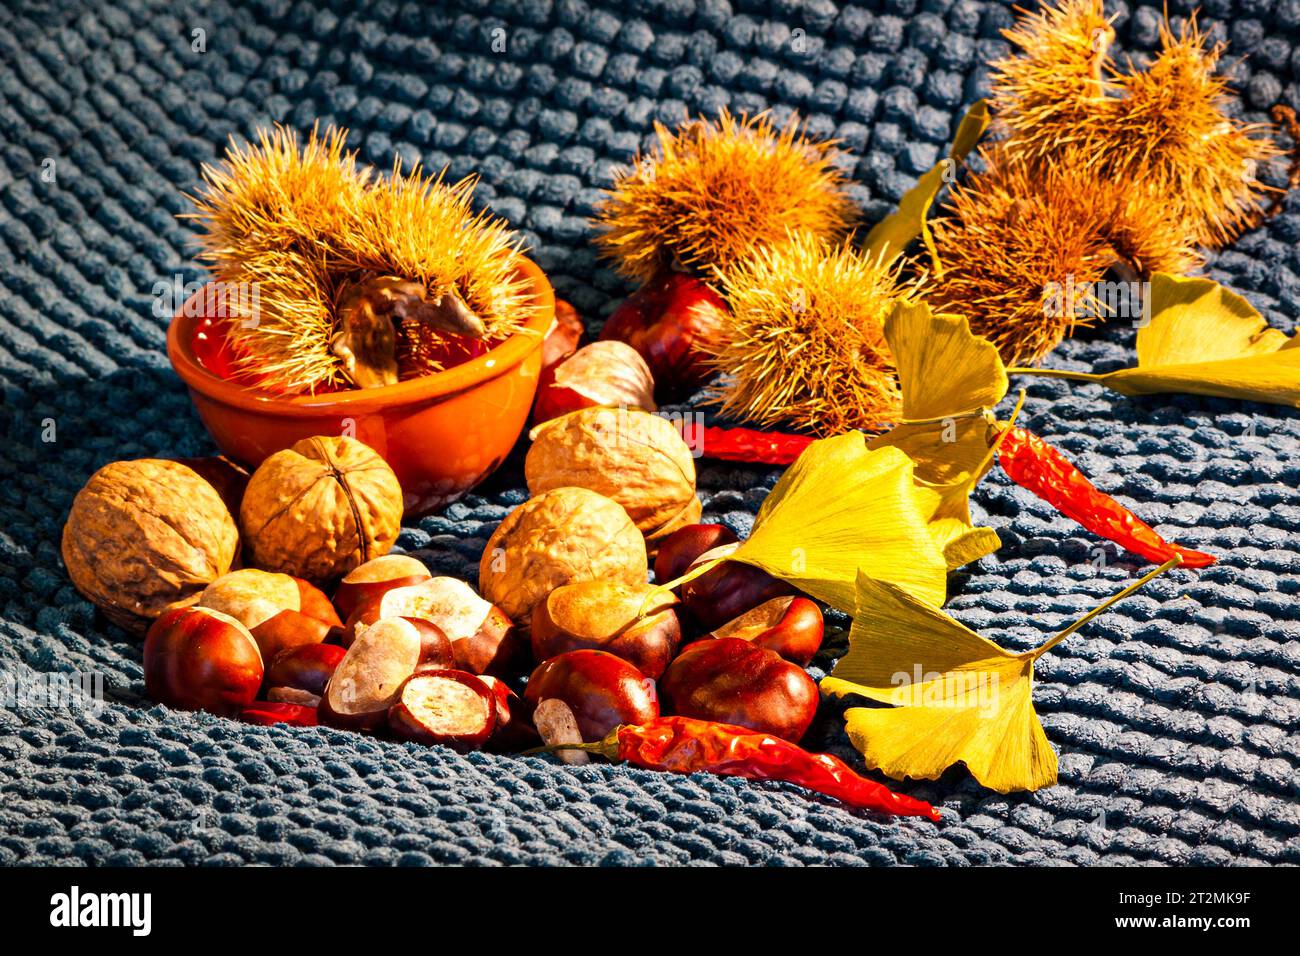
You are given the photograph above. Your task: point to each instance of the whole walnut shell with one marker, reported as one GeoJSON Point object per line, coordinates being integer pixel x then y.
{"type": "Point", "coordinates": [320, 508]}
{"type": "Point", "coordinates": [146, 536]}
{"type": "Point", "coordinates": [559, 537]}
{"type": "Point", "coordinates": [633, 457]}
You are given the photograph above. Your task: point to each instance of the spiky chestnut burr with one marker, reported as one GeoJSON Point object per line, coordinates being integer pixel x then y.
{"type": "Point", "coordinates": [806, 345]}
{"type": "Point", "coordinates": [1171, 129]}
{"type": "Point", "coordinates": [1165, 128]}
{"type": "Point", "coordinates": [714, 190]}
{"type": "Point", "coordinates": [357, 275]}
{"type": "Point", "coordinates": [1017, 241]}
{"type": "Point", "coordinates": [1055, 86]}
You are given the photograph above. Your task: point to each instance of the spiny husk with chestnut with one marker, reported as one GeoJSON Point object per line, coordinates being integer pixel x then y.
{"type": "Point", "coordinates": [1164, 130]}
{"type": "Point", "coordinates": [1012, 237]}
{"type": "Point", "coordinates": [323, 239]}
{"type": "Point", "coordinates": [714, 190]}
{"type": "Point", "coordinates": [805, 344]}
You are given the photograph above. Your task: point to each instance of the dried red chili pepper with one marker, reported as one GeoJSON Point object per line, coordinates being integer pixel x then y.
{"type": "Point", "coordinates": [744, 444]}
{"type": "Point", "coordinates": [686, 745]}
{"type": "Point", "coordinates": [1038, 467]}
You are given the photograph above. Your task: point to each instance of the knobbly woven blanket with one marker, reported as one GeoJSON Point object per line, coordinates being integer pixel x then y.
{"type": "Point", "coordinates": [1175, 714]}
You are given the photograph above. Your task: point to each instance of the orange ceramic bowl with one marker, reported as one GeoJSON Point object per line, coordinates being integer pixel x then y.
{"type": "Point", "coordinates": [442, 434]}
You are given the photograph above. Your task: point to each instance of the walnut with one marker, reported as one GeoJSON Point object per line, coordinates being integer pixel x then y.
{"type": "Point", "coordinates": [633, 457]}
{"type": "Point", "coordinates": [559, 537]}
{"type": "Point", "coordinates": [321, 508]}
{"type": "Point", "coordinates": [144, 537]}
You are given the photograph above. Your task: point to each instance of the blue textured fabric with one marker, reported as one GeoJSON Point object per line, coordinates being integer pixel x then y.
{"type": "Point", "coordinates": [1175, 715]}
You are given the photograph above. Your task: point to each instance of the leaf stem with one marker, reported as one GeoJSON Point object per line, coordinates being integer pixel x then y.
{"type": "Point", "coordinates": [1056, 373]}
{"type": "Point", "coordinates": [606, 747]}
{"type": "Point", "coordinates": [667, 588]}
{"type": "Point", "coordinates": [987, 461]}
{"type": "Point", "coordinates": [981, 412]}
{"type": "Point", "coordinates": [552, 748]}
{"type": "Point", "coordinates": [1173, 562]}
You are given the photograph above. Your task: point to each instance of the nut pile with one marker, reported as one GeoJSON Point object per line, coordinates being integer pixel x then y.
{"type": "Point", "coordinates": [318, 623]}
{"type": "Point", "coordinates": [402, 653]}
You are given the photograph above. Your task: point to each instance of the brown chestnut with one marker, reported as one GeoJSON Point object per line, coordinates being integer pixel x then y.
{"type": "Point", "coordinates": [791, 626]}
{"type": "Point", "coordinates": [482, 637]}
{"type": "Point", "coordinates": [279, 610]}
{"type": "Point", "coordinates": [608, 374]}
{"type": "Point", "coordinates": [196, 658]}
{"type": "Point", "coordinates": [729, 590]}
{"type": "Point", "coordinates": [564, 336]}
{"type": "Point", "coordinates": [291, 695]}
{"type": "Point", "coordinates": [679, 550]}
{"type": "Point", "coordinates": [514, 730]}
{"type": "Point", "coordinates": [603, 616]}
{"type": "Point", "coordinates": [444, 707]}
{"type": "Point", "coordinates": [307, 668]}
{"type": "Point", "coordinates": [376, 578]}
{"type": "Point", "coordinates": [557, 727]}
{"type": "Point", "coordinates": [602, 690]}
{"type": "Point", "coordinates": [435, 646]}
{"type": "Point", "coordinates": [369, 678]}
{"type": "Point", "coordinates": [667, 320]}
{"type": "Point", "coordinates": [732, 681]}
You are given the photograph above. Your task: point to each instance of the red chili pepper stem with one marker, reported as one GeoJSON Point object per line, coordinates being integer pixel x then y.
{"type": "Point", "coordinates": [606, 747]}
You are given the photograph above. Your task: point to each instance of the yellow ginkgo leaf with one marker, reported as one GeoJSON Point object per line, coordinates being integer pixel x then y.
{"type": "Point", "coordinates": [840, 508]}
{"type": "Point", "coordinates": [1203, 339]}
{"type": "Point", "coordinates": [944, 452]}
{"type": "Point", "coordinates": [949, 379]}
{"type": "Point", "coordinates": [943, 368]}
{"type": "Point", "coordinates": [951, 695]}
{"type": "Point", "coordinates": [1198, 320]}
{"type": "Point", "coordinates": [889, 237]}
{"type": "Point", "coordinates": [963, 541]}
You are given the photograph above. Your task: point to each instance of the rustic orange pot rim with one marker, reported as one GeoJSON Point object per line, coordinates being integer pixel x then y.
{"type": "Point", "coordinates": [493, 363]}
